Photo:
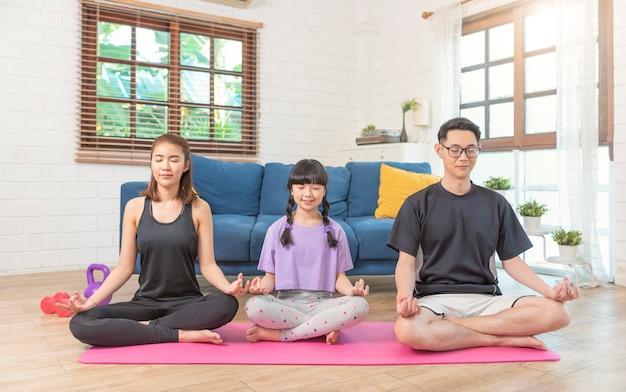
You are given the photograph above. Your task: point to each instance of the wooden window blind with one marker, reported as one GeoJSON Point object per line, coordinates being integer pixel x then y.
{"type": "Point", "coordinates": [146, 70]}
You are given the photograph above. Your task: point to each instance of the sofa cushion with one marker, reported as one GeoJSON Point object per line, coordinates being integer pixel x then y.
{"type": "Point", "coordinates": [396, 185]}
{"type": "Point", "coordinates": [365, 182]}
{"type": "Point", "coordinates": [228, 187]}
{"type": "Point", "coordinates": [231, 236]}
{"type": "Point", "coordinates": [372, 235]}
{"type": "Point", "coordinates": [263, 222]}
{"type": "Point", "coordinates": [274, 193]}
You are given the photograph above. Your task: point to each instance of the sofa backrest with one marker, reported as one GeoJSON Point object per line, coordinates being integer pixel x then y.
{"type": "Point", "coordinates": [365, 181]}
{"type": "Point", "coordinates": [274, 192]}
{"type": "Point", "coordinates": [228, 187]}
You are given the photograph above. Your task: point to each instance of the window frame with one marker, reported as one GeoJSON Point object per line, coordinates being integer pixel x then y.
{"type": "Point", "coordinates": [515, 13]}
{"type": "Point", "coordinates": [95, 148]}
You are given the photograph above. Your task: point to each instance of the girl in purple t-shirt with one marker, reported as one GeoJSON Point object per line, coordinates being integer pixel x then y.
{"type": "Point", "coordinates": [305, 257]}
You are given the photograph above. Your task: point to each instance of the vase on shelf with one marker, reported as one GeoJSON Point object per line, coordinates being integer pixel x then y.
{"type": "Point", "coordinates": [568, 252]}
{"type": "Point", "coordinates": [403, 136]}
{"type": "Point", "coordinates": [532, 223]}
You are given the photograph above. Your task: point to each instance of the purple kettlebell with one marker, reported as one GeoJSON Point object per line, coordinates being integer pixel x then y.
{"type": "Point", "coordinates": [92, 285]}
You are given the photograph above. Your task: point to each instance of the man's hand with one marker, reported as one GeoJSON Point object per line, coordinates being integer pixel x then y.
{"type": "Point", "coordinates": [407, 306]}
{"type": "Point", "coordinates": [564, 291]}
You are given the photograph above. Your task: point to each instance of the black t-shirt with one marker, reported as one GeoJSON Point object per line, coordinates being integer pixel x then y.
{"type": "Point", "coordinates": [454, 238]}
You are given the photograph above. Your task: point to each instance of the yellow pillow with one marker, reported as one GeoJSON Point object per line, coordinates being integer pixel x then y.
{"type": "Point", "coordinates": [396, 185]}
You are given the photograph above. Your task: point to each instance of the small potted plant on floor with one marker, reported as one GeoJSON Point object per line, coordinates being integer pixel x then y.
{"type": "Point", "coordinates": [568, 242]}
{"type": "Point", "coordinates": [498, 184]}
{"type": "Point", "coordinates": [531, 211]}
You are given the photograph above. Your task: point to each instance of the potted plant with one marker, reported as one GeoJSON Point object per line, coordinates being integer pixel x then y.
{"type": "Point", "coordinates": [369, 130]}
{"type": "Point", "coordinates": [568, 242]}
{"type": "Point", "coordinates": [406, 105]}
{"type": "Point", "coordinates": [498, 184]}
{"type": "Point", "coordinates": [531, 211]}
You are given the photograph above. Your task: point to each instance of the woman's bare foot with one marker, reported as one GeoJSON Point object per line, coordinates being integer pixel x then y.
{"type": "Point", "coordinates": [333, 337]}
{"type": "Point", "coordinates": [199, 336]}
{"type": "Point", "coordinates": [256, 333]}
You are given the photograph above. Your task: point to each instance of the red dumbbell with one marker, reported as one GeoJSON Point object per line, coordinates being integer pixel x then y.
{"type": "Point", "coordinates": [61, 311]}
{"type": "Point", "coordinates": [48, 304]}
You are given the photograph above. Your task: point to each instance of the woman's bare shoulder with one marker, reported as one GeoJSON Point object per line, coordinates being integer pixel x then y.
{"type": "Point", "coordinates": [134, 206]}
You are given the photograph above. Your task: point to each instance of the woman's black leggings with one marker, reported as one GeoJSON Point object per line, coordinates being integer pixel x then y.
{"type": "Point", "coordinates": [118, 324]}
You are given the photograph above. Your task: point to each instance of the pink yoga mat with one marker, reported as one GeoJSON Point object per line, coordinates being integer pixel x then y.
{"type": "Point", "coordinates": [368, 343]}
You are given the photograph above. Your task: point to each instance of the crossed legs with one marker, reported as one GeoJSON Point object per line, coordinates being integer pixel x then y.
{"type": "Point", "coordinates": [514, 326]}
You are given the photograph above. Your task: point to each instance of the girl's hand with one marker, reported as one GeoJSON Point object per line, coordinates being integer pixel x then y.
{"type": "Point", "coordinates": [359, 288]}
{"type": "Point", "coordinates": [256, 288]}
{"type": "Point", "coordinates": [237, 288]}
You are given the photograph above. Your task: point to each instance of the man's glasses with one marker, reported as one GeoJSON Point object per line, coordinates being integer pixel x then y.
{"type": "Point", "coordinates": [455, 152]}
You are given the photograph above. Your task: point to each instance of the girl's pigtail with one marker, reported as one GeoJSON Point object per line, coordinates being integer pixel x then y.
{"type": "Point", "coordinates": [332, 241]}
{"type": "Point", "coordinates": [285, 238]}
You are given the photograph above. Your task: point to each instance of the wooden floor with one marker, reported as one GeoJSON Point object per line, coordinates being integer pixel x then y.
{"type": "Point", "coordinates": [39, 353]}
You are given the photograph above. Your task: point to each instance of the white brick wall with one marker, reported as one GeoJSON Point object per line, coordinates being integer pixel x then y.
{"type": "Point", "coordinates": [327, 67]}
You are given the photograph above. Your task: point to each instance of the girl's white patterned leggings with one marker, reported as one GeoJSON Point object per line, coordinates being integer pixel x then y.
{"type": "Point", "coordinates": [303, 314]}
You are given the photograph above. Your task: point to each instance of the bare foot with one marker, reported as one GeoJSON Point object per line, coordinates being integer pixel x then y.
{"type": "Point", "coordinates": [256, 333]}
{"type": "Point", "coordinates": [199, 336]}
{"type": "Point", "coordinates": [523, 341]}
{"type": "Point", "coordinates": [333, 337]}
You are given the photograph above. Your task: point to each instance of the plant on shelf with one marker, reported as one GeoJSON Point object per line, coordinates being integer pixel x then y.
{"type": "Point", "coordinates": [532, 208]}
{"type": "Point", "coordinates": [406, 105]}
{"type": "Point", "coordinates": [498, 183]}
{"type": "Point", "coordinates": [568, 242]}
{"type": "Point", "coordinates": [369, 130]}
{"type": "Point", "coordinates": [531, 211]}
{"type": "Point", "coordinates": [567, 238]}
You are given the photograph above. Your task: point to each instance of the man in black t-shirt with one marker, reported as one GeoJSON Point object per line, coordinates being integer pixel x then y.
{"type": "Point", "coordinates": [447, 235]}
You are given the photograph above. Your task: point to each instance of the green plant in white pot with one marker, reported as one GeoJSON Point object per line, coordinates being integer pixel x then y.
{"type": "Point", "coordinates": [532, 211]}
{"type": "Point", "coordinates": [568, 242]}
{"type": "Point", "coordinates": [498, 184]}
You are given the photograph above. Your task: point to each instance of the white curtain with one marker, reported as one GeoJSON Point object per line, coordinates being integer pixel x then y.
{"type": "Point", "coordinates": [577, 126]}
{"type": "Point", "coordinates": [447, 27]}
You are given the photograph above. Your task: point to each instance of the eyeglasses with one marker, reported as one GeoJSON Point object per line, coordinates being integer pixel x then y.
{"type": "Point", "coordinates": [455, 152]}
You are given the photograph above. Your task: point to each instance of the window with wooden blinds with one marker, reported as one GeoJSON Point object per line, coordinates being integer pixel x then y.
{"type": "Point", "coordinates": [146, 70]}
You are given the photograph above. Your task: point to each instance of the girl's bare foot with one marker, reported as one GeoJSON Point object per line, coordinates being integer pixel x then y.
{"type": "Point", "coordinates": [333, 337]}
{"type": "Point", "coordinates": [256, 333]}
{"type": "Point", "coordinates": [199, 336]}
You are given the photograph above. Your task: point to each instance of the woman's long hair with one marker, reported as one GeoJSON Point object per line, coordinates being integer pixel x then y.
{"type": "Point", "coordinates": [186, 192]}
{"type": "Point", "coordinates": [307, 171]}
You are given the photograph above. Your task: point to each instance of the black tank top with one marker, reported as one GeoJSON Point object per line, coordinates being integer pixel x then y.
{"type": "Point", "coordinates": [168, 252]}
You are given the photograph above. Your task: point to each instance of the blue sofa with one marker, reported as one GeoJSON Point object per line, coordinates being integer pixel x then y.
{"type": "Point", "coordinates": [247, 197]}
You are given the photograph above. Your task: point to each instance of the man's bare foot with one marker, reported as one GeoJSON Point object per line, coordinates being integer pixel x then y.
{"type": "Point", "coordinates": [523, 341]}
{"type": "Point", "coordinates": [333, 337]}
{"type": "Point", "coordinates": [199, 336]}
{"type": "Point", "coordinates": [256, 333]}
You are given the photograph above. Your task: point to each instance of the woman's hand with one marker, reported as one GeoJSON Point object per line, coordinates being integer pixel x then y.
{"type": "Point", "coordinates": [77, 303]}
{"type": "Point", "coordinates": [359, 288]}
{"type": "Point", "coordinates": [237, 288]}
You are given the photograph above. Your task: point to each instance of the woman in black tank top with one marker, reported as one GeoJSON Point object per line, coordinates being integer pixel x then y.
{"type": "Point", "coordinates": [171, 229]}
